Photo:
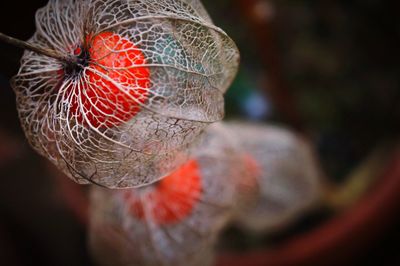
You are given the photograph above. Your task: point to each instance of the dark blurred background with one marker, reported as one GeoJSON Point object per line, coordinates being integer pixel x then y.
{"type": "Point", "coordinates": [328, 69]}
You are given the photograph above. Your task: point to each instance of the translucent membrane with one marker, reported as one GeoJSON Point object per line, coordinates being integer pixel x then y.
{"type": "Point", "coordinates": [175, 221]}
{"type": "Point", "coordinates": [139, 83]}
{"type": "Point", "coordinates": [284, 171]}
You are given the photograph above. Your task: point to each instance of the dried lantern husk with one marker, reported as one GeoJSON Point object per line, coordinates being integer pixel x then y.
{"type": "Point", "coordinates": [139, 83]}
{"type": "Point", "coordinates": [140, 227]}
{"type": "Point", "coordinates": [284, 169]}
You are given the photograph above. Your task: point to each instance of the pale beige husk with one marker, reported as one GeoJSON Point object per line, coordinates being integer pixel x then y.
{"type": "Point", "coordinates": [119, 238]}
{"type": "Point", "coordinates": [286, 173]}
{"type": "Point", "coordinates": [191, 61]}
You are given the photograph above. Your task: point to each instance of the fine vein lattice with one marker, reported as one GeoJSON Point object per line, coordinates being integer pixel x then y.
{"type": "Point", "coordinates": [175, 221]}
{"type": "Point", "coordinates": [136, 84]}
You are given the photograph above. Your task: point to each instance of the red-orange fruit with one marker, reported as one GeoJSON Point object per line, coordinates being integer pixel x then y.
{"type": "Point", "coordinates": [114, 85]}
{"type": "Point", "coordinates": [171, 199]}
{"type": "Point", "coordinates": [248, 184]}
{"type": "Point", "coordinates": [252, 166]}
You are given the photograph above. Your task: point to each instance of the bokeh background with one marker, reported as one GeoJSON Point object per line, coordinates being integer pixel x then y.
{"type": "Point", "coordinates": [327, 69]}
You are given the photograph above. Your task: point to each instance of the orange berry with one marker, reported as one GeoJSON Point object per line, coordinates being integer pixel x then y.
{"type": "Point", "coordinates": [253, 171]}
{"type": "Point", "coordinates": [114, 85]}
{"type": "Point", "coordinates": [251, 165]}
{"type": "Point", "coordinates": [171, 199]}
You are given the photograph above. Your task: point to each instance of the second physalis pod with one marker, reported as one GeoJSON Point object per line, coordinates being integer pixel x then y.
{"type": "Point", "coordinates": [175, 221]}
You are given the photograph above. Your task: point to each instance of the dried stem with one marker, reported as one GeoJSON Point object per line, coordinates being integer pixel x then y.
{"type": "Point", "coordinates": [30, 46]}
